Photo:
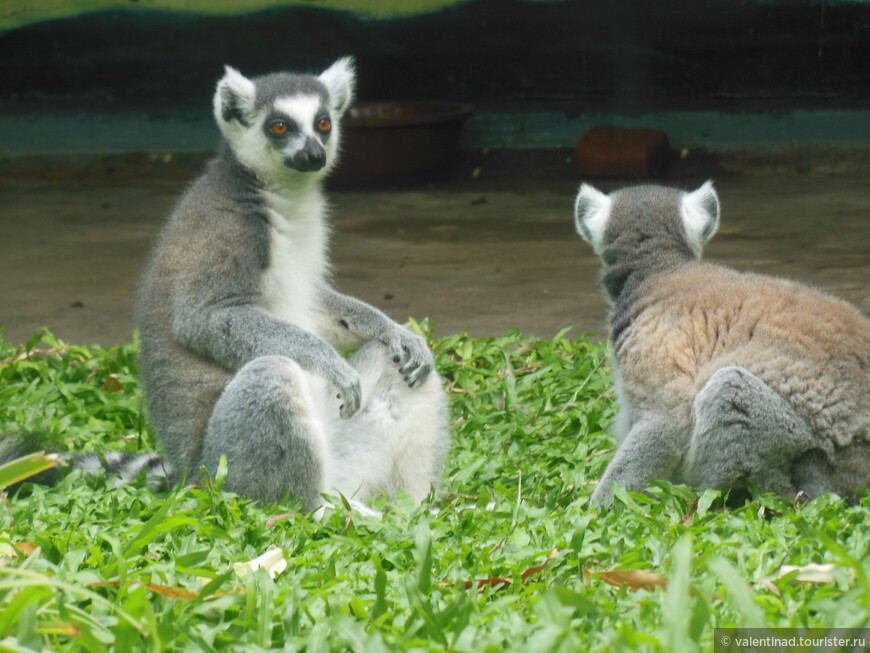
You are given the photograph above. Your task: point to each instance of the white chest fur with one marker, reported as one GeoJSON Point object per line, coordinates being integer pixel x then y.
{"type": "Point", "coordinates": [297, 259]}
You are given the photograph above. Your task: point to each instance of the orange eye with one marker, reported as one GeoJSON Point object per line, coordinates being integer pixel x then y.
{"type": "Point", "coordinates": [324, 125]}
{"type": "Point", "coordinates": [279, 128]}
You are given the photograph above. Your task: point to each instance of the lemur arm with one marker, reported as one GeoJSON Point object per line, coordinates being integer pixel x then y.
{"type": "Point", "coordinates": [350, 322]}
{"type": "Point", "coordinates": [650, 451]}
{"type": "Point", "coordinates": [232, 332]}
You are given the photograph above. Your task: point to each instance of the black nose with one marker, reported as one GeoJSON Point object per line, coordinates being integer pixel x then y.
{"type": "Point", "coordinates": [310, 158]}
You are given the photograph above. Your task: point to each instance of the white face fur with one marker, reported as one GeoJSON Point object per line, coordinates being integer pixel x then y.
{"type": "Point", "coordinates": [312, 125]}
{"type": "Point", "coordinates": [699, 213]}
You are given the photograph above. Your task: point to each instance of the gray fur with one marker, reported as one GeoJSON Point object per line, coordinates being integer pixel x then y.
{"type": "Point", "coordinates": [765, 435]}
{"type": "Point", "coordinates": [265, 400]}
{"type": "Point", "coordinates": [275, 85]}
{"type": "Point", "coordinates": [240, 329]}
{"type": "Point", "coordinates": [725, 379]}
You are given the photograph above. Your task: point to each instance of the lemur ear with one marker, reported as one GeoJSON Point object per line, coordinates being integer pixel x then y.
{"type": "Point", "coordinates": [700, 213]}
{"type": "Point", "coordinates": [340, 80]}
{"type": "Point", "coordinates": [234, 98]}
{"type": "Point", "coordinates": [591, 211]}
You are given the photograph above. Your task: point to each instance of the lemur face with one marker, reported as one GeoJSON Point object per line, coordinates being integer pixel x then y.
{"type": "Point", "coordinates": [283, 125]}
{"type": "Point", "coordinates": [299, 129]}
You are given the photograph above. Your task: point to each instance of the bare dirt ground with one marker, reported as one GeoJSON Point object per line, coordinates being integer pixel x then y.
{"type": "Point", "coordinates": [478, 253]}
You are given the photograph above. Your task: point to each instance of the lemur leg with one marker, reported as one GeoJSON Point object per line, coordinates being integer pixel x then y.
{"type": "Point", "coordinates": [269, 425]}
{"type": "Point", "coordinates": [842, 472]}
{"type": "Point", "coordinates": [398, 439]}
{"type": "Point", "coordinates": [813, 474]}
{"type": "Point", "coordinates": [651, 450]}
{"type": "Point", "coordinates": [744, 431]}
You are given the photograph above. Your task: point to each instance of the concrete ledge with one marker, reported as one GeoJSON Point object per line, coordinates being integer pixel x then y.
{"type": "Point", "coordinates": [685, 129]}
{"type": "Point", "coordinates": [194, 132]}
{"type": "Point", "coordinates": [473, 167]}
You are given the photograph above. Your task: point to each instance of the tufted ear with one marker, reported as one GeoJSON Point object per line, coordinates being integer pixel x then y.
{"type": "Point", "coordinates": [700, 212]}
{"type": "Point", "coordinates": [234, 99]}
{"type": "Point", "coordinates": [591, 211]}
{"type": "Point", "coordinates": [340, 80]}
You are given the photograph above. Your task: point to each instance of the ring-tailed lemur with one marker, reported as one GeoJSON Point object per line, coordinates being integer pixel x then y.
{"type": "Point", "coordinates": [241, 331]}
{"type": "Point", "coordinates": [724, 378]}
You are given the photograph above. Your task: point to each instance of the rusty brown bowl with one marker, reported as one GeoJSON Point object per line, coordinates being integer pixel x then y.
{"type": "Point", "coordinates": [385, 142]}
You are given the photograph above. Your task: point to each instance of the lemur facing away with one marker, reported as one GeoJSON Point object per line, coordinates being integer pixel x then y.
{"type": "Point", "coordinates": [723, 378]}
{"type": "Point", "coordinates": [240, 329]}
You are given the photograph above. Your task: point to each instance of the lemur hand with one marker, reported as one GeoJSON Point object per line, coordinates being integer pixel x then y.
{"type": "Point", "coordinates": [345, 379]}
{"type": "Point", "coordinates": [411, 355]}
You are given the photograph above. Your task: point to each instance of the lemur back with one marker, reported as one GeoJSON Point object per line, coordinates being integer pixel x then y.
{"type": "Point", "coordinates": [724, 378]}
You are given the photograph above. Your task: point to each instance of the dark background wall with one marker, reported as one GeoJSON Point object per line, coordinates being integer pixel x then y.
{"type": "Point", "coordinates": [501, 55]}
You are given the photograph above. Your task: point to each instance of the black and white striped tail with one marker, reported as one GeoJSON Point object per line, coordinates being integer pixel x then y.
{"type": "Point", "coordinates": [120, 468]}
{"type": "Point", "coordinates": [123, 468]}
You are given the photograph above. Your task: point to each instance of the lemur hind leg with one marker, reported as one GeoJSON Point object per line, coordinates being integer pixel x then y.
{"type": "Point", "coordinates": [743, 432]}
{"type": "Point", "coordinates": [398, 439]}
{"type": "Point", "coordinates": [268, 425]}
{"type": "Point", "coordinates": [651, 450]}
{"type": "Point", "coordinates": [844, 472]}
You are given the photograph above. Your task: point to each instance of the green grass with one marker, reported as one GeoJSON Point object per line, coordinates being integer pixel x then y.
{"type": "Point", "coordinates": [508, 563]}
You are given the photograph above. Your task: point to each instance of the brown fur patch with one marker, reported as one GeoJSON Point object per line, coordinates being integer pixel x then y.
{"type": "Point", "coordinates": [811, 348]}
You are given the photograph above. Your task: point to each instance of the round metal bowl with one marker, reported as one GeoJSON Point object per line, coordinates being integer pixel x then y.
{"type": "Point", "coordinates": [386, 142]}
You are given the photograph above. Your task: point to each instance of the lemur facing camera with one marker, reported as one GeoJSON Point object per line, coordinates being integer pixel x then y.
{"type": "Point", "coordinates": [241, 331]}
{"type": "Point", "coordinates": [723, 378]}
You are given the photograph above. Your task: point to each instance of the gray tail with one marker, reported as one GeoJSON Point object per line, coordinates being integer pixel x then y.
{"type": "Point", "coordinates": [120, 467]}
